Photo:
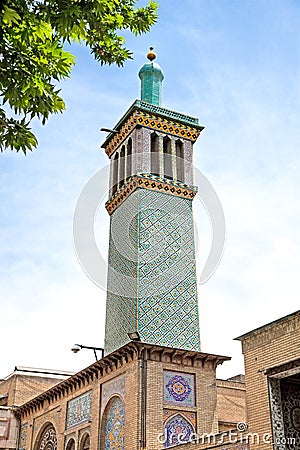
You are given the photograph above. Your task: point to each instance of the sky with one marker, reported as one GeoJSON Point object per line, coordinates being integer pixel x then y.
{"type": "Point", "coordinates": [235, 65]}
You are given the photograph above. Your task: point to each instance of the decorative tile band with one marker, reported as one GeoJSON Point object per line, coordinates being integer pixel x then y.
{"type": "Point", "coordinates": [154, 122]}
{"type": "Point", "coordinates": [151, 182]}
{"type": "Point", "coordinates": [23, 437]}
{"type": "Point", "coordinates": [167, 126]}
{"type": "Point", "coordinates": [121, 135]}
{"type": "Point", "coordinates": [79, 410]}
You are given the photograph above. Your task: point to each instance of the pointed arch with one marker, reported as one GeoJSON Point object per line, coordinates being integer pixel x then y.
{"type": "Point", "coordinates": [179, 160]}
{"type": "Point", "coordinates": [113, 425]}
{"type": "Point", "coordinates": [168, 172]}
{"type": "Point", "coordinates": [122, 167]}
{"type": "Point", "coordinates": [129, 159]}
{"type": "Point", "coordinates": [178, 430]}
{"type": "Point", "coordinates": [154, 149]}
{"type": "Point", "coordinates": [115, 172]}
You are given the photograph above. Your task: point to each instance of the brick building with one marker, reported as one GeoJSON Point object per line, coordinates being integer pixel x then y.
{"type": "Point", "coordinates": [272, 368]}
{"type": "Point", "coordinates": [19, 388]}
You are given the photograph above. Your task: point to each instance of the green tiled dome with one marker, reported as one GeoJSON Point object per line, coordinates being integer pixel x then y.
{"type": "Point", "coordinates": [151, 69]}
{"type": "Point", "coordinates": [151, 77]}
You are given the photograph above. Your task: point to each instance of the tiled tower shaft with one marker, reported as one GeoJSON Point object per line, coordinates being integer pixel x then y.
{"type": "Point", "coordinates": [152, 286]}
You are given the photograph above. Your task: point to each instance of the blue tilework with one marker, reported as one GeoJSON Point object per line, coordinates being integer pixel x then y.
{"type": "Point", "coordinates": [79, 410]}
{"type": "Point", "coordinates": [167, 303]}
{"type": "Point", "coordinates": [115, 425]}
{"type": "Point", "coordinates": [178, 431]}
{"type": "Point", "coordinates": [152, 286]}
{"type": "Point", "coordinates": [121, 303]}
{"type": "Point", "coordinates": [179, 388]}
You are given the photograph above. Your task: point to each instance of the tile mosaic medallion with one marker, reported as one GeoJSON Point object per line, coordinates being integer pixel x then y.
{"type": "Point", "coordinates": [178, 431]}
{"type": "Point", "coordinates": [79, 410]}
{"type": "Point", "coordinates": [115, 425]}
{"type": "Point", "coordinates": [179, 388]}
{"type": "Point", "coordinates": [152, 285]}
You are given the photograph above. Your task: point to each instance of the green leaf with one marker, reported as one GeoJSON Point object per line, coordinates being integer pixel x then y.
{"type": "Point", "coordinates": [10, 16]}
{"type": "Point", "coordinates": [33, 37]}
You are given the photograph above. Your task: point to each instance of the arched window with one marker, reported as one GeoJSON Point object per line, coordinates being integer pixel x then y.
{"type": "Point", "coordinates": [122, 166]}
{"type": "Point", "coordinates": [47, 439]}
{"type": "Point", "coordinates": [154, 148]}
{"type": "Point", "coordinates": [114, 425]}
{"type": "Point", "coordinates": [70, 444]}
{"type": "Point", "coordinates": [129, 159]}
{"type": "Point", "coordinates": [115, 170]}
{"type": "Point", "coordinates": [168, 173]}
{"type": "Point", "coordinates": [179, 161]}
{"type": "Point", "coordinates": [178, 430]}
{"type": "Point", "coordinates": [85, 442]}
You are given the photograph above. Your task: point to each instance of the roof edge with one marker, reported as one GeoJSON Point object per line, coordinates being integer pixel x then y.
{"type": "Point", "coordinates": [130, 351]}
{"type": "Point", "coordinates": [160, 111]}
{"type": "Point", "coordinates": [267, 325]}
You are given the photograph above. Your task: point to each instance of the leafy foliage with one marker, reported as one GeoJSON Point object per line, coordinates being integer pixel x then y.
{"type": "Point", "coordinates": [33, 59]}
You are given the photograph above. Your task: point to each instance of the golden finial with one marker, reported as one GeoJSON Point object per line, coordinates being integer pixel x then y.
{"type": "Point", "coordinates": [151, 55]}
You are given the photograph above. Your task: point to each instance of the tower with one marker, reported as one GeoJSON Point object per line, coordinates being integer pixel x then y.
{"type": "Point", "coordinates": [152, 287]}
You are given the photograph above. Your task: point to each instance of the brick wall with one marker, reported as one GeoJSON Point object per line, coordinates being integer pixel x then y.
{"type": "Point", "coordinates": [231, 404]}
{"type": "Point", "coordinates": [271, 345]}
{"type": "Point", "coordinates": [22, 388]}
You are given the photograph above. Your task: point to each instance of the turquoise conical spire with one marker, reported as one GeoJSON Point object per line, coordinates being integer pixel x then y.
{"type": "Point", "coordinates": [151, 77]}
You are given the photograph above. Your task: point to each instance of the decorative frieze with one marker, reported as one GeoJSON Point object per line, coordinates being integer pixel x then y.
{"type": "Point", "coordinates": [153, 122]}
{"type": "Point", "coordinates": [23, 436]}
{"type": "Point", "coordinates": [152, 182]}
{"type": "Point", "coordinates": [79, 410]}
{"type": "Point", "coordinates": [270, 332]}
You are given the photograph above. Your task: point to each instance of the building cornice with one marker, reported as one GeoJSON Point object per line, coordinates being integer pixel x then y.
{"type": "Point", "coordinates": [152, 182]}
{"type": "Point", "coordinates": [154, 117]}
{"type": "Point", "coordinates": [116, 360]}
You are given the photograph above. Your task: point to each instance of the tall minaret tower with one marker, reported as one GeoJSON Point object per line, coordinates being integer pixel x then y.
{"type": "Point", "coordinates": [152, 286]}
